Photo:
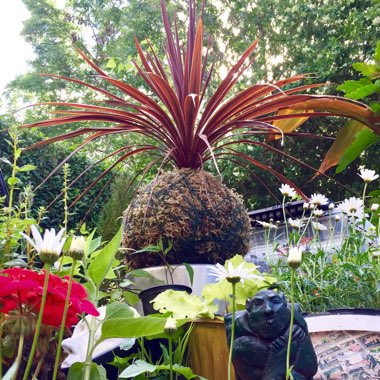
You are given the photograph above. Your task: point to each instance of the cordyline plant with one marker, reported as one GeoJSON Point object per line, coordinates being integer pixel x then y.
{"type": "Point", "coordinates": [185, 126]}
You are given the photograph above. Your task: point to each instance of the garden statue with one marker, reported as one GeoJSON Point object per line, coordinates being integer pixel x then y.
{"type": "Point", "coordinates": [261, 339]}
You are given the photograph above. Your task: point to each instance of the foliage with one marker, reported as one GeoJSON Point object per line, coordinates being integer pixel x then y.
{"type": "Point", "coordinates": [355, 137]}
{"type": "Point", "coordinates": [343, 270]}
{"type": "Point", "coordinates": [186, 140]}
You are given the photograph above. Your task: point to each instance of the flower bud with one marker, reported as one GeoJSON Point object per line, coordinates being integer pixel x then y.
{"type": "Point", "coordinates": [170, 326]}
{"type": "Point", "coordinates": [374, 207]}
{"type": "Point", "coordinates": [337, 218]}
{"type": "Point", "coordinates": [76, 249]}
{"type": "Point", "coordinates": [331, 206]}
{"type": "Point", "coordinates": [305, 206]}
{"type": "Point", "coordinates": [295, 257]}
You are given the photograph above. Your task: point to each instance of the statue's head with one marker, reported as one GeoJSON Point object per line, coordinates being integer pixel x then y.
{"type": "Point", "coordinates": [268, 314]}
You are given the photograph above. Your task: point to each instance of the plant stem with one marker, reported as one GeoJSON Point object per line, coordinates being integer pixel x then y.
{"type": "Point", "coordinates": [91, 340]}
{"type": "Point", "coordinates": [285, 221]}
{"type": "Point", "coordinates": [38, 325]}
{"type": "Point", "coordinates": [19, 355]}
{"type": "Point", "coordinates": [63, 323]}
{"type": "Point", "coordinates": [291, 324]}
{"type": "Point", "coordinates": [232, 331]}
{"type": "Point", "coordinates": [170, 357]}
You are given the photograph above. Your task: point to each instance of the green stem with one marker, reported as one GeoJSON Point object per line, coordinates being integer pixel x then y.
{"type": "Point", "coordinates": [232, 332]}
{"type": "Point", "coordinates": [19, 355]}
{"type": "Point", "coordinates": [285, 221]}
{"type": "Point", "coordinates": [291, 324]}
{"type": "Point", "coordinates": [170, 357]}
{"type": "Point", "coordinates": [63, 323]}
{"type": "Point", "coordinates": [91, 340]}
{"type": "Point", "coordinates": [38, 325]}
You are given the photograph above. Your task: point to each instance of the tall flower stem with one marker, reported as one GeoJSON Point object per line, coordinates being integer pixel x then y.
{"type": "Point", "coordinates": [291, 324]}
{"type": "Point", "coordinates": [170, 357]}
{"type": "Point", "coordinates": [19, 355]}
{"type": "Point", "coordinates": [91, 341]}
{"type": "Point", "coordinates": [39, 323]}
{"type": "Point", "coordinates": [63, 323]}
{"type": "Point", "coordinates": [285, 221]}
{"type": "Point", "coordinates": [232, 330]}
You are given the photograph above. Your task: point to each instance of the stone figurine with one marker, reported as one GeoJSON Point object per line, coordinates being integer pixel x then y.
{"type": "Point", "coordinates": [261, 339]}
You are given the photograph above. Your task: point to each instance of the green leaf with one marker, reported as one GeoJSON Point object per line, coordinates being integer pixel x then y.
{"type": "Point", "coordinates": [362, 141]}
{"type": "Point", "coordinates": [98, 372]}
{"type": "Point", "coordinates": [358, 89]}
{"type": "Point", "coordinates": [140, 366]}
{"type": "Point", "coordinates": [6, 161]}
{"type": "Point", "coordinates": [367, 69]}
{"type": "Point", "coordinates": [120, 67]}
{"type": "Point", "coordinates": [118, 310]}
{"type": "Point", "coordinates": [377, 55]}
{"type": "Point", "coordinates": [27, 168]}
{"type": "Point", "coordinates": [12, 181]}
{"type": "Point", "coordinates": [190, 272]}
{"type": "Point", "coordinates": [345, 137]}
{"type": "Point", "coordinates": [184, 305]}
{"type": "Point", "coordinates": [111, 64]}
{"type": "Point", "coordinates": [102, 263]}
{"type": "Point", "coordinates": [140, 273]}
{"type": "Point", "coordinates": [135, 327]}
{"type": "Point", "coordinates": [18, 153]}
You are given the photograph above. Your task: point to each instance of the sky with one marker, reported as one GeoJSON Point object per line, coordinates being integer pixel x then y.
{"type": "Point", "coordinates": [15, 52]}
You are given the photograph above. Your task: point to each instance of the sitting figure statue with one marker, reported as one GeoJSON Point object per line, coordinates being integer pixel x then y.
{"type": "Point", "coordinates": [261, 340]}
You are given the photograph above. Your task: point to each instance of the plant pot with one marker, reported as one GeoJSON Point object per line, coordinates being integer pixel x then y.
{"type": "Point", "coordinates": [149, 294]}
{"type": "Point", "coordinates": [208, 350]}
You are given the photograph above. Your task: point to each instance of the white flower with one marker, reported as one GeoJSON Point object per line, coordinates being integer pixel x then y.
{"type": "Point", "coordinates": [352, 207]}
{"type": "Point", "coordinates": [266, 224]}
{"type": "Point", "coordinates": [76, 249]}
{"type": "Point", "coordinates": [318, 199]}
{"type": "Point", "coordinates": [50, 246]}
{"type": "Point", "coordinates": [287, 191]}
{"type": "Point", "coordinates": [374, 207]}
{"type": "Point", "coordinates": [331, 206]}
{"type": "Point", "coordinates": [295, 257]}
{"type": "Point", "coordinates": [295, 223]}
{"type": "Point", "coordinates": [233, 275]}
{"type": "Point", "coordinates": [318, 213]}
{"type": "Point", "coordinates": [170, 326]}
{"type": "Point", "coordinates": [368, 175]}
{"type": "Point", "coordinates": [318, 226]}
{"type": "Point", "coordinates": [305, 206]}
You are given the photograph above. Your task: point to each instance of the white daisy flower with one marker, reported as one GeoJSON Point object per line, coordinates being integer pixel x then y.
{"type": "Point", "coordinates": [295, 257]}
{"type": "Point", "coordinates": [317, 213]}
{"type": "Point", "coordinates": [353, 207]}
{"type": "Point", "coordinates": [232, 274]}
{"type": "Point", "coordinates": [318, 226]}
{"type": "Point", "coordinates": [266, 224]}
{"type": "Point", "coordinates": [368, 175]}
{"type": "Point", "coordinates": [296, 223]}
{"type": "Point", "coordinates": [287, 191]}
{"type": "Point", "coordinates": [318, 199]}
{"type": "Point", "coordinates": [50, 246]}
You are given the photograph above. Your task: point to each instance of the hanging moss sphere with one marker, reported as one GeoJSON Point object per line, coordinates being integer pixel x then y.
{"type": "Point", "coordinates": [206, 222]}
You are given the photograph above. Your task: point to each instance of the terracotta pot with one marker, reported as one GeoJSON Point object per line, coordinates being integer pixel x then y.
{"type": "Point", "coordinates": [208, 350]}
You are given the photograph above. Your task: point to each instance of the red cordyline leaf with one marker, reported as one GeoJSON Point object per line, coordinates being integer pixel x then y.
{"type": "Point", "coordinates": [182, 123]}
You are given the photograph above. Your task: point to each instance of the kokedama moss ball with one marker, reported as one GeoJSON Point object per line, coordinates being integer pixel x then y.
{"type": "Point", "coordinates": [206, 221]}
